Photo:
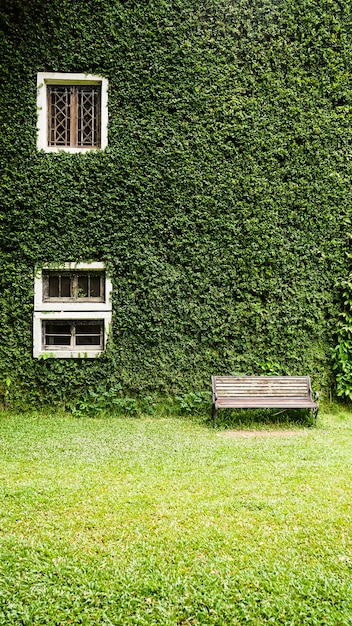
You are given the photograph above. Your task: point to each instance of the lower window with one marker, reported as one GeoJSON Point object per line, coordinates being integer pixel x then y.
{"type": "Point", "coordinates": [75, 334]}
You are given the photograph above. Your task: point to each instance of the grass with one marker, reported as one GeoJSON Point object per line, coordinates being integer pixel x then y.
{"type": "Point", "coordinates": [121, 521]}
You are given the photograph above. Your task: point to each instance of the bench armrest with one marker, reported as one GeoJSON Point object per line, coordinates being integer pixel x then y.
{"type": "Point", "coordinates": [214, 394]}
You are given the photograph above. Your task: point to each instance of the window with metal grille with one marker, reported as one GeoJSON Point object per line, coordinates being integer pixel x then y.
{"type": "Point", "coordinates": [73, 286]}
{"type": "Point", "coordinates": [74, 115]}
{"type": "Point", "coordinates": [72, 334]}
{"type": "Point", "coordinates": [72, 112]}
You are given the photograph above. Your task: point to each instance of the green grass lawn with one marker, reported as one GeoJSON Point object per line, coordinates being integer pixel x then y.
{"type": "Point", "coordinates": [116, 521]}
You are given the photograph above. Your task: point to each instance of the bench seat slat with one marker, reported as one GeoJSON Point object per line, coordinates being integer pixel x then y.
{"type": "Point", "coordinates": [262, 383]}
{"type": "Point", "coordinates": [278, 379]}
{"type": "Point", "coordinates": [267, 403]}
{"type": "Point", "coordinates": [234, 393]}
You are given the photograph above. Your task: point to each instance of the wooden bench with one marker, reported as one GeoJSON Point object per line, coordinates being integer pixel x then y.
{"type": "Point", "coordinates": [263, 392]}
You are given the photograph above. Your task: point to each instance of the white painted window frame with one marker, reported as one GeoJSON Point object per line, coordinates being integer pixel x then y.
{"type": "Point", "coordinates": [60, 78]}
{"type": "Point", "coordinates": [65, 311]}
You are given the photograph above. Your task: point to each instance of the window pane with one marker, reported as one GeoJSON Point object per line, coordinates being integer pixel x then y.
{"type": "Point", "coordinates": [88, 340]}
{"type": "Point", "coordinates": [59, 286]}
{"type": "Point", "coordinates": [65, 286]}
{"type": "Point", "coordinates": [94, 287]}
{"type": "Point", "coordinates": [82, 287]}
{"type": "Point", "coordinates": [57, 340]}
{"type": "Point", "coordinates": [58, 329]}
{"type": "Point", "coordinates": [54, 287]}
{"type": "Point", "coordinates": [89, 334]}
{"type": "Point", "coordinates": [57, 334]}
{"type": "Point", "coordinates": [91, 329]}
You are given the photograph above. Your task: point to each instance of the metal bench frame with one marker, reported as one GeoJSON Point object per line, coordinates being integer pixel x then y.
{"type": "Point", "coordinates": [263, 392]}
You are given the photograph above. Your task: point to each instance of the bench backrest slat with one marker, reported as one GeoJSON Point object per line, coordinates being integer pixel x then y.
{"type": "Point", "coordinates": [262, 386]}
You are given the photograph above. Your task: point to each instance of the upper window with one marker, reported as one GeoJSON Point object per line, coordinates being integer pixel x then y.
{"type": "Point", "coordinates": [74, 286]}
{"type": "Point", "coordinates": [74, 116]}
{"type": "Point", "coordinates": [72, 112]}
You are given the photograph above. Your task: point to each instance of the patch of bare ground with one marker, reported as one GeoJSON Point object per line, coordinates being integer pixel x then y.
{"type": "Point", "coordinates": [261, 433]}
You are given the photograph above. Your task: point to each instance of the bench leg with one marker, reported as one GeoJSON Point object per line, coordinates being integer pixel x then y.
{"type": "Point", "coordinates": [214, 411]}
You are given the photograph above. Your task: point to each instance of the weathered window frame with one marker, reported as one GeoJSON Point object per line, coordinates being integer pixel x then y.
{"type": "Point", "coordinates": [73, 311]}
{"type": "Point", "coordinates": [73, 281]}
{"type": "Point", "coordinates": [74, 118]}
{"type": "Point", "coordinates": [74, 80]}
{"type": "Point", "coordinates": [72, 334]}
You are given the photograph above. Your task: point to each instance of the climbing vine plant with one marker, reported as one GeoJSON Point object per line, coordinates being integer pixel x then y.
{"type": "Point", "coordinates": [218, 207]}
{"type": "Point", "coordinates": [343, 350]}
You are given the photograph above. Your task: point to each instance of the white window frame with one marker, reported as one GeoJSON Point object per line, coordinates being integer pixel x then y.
{"type": "Point", "coordinates": [67, 311]}
{"type": "Point", "coordinates": [59, 78]}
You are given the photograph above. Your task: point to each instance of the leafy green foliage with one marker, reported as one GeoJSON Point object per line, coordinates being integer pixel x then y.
{"type": "Point", "coordinates": [343, 350]}
{"type": "Point", "coordinates": [194, 402]}
{"type": "Point", "coordinates": [219, 205]}
{"type": "Point", "coordinates": [102, 400]}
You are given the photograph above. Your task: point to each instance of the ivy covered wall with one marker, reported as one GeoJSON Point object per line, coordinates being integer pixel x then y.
{"type": "Point", "coordinates": [220, 205]}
